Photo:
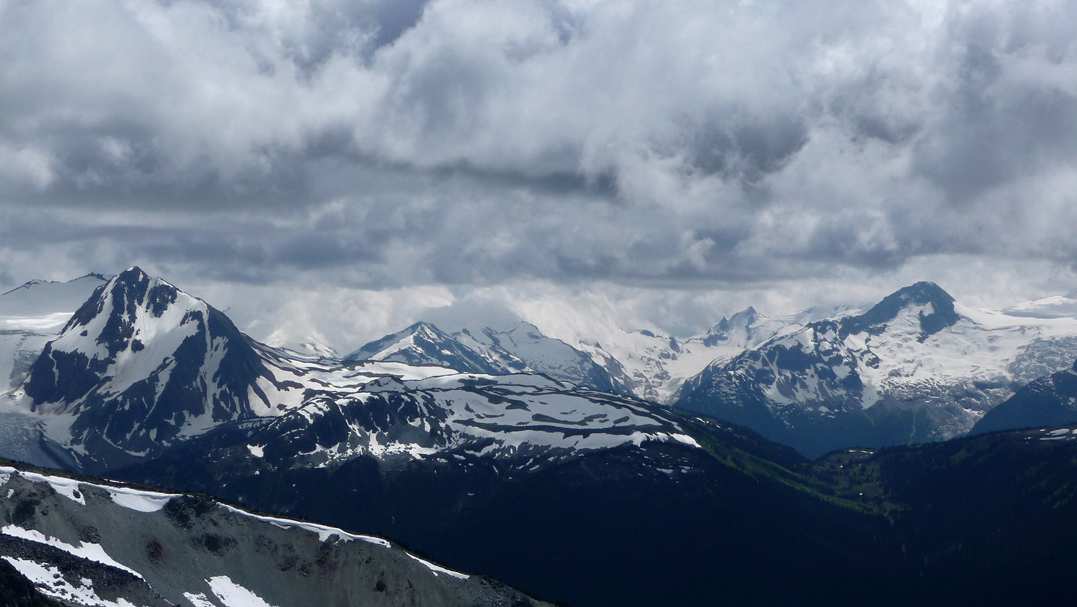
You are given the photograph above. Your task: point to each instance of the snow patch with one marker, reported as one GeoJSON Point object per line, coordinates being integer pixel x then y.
{"type": "Point", "coordinates": [51, 582]}
{"type": "Point", "coordinates": [234, 595]}
{"type": "Point", "coordinates": [324, 532]}
{"type": "Point", "coordinates": [91, 552]}
{"type": "Point", "coordinates": [198, 600]}
{"type": "Point", "coordinates": [438, 569]}
{"type": "Point", "coordinates": [140, 501]}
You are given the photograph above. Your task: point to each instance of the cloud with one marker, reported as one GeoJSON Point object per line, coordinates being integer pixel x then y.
{"type": "Point", "coordinates": [465, 144]}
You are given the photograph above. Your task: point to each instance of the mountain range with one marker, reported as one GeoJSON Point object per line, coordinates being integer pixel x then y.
{"type": "Point", "coordinates": [918, 366]}
{"type": "Point", "coordinates": [516, 455]}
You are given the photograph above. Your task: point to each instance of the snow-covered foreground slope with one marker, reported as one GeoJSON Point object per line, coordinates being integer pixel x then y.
{"type": "Point", "coordinates": [917, 366]}
{"type": "Point", "coordinates": [103, 544]}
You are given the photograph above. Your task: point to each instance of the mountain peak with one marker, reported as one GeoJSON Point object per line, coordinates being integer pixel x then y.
{"type": "Point", "coordinates": [139, 361]}
{"type": "Point", "coordinates": [379, 349]}
{"type": "Point", "coordinates": [525, 328]}
{"type": "Point", "coordinates": [935, 314]}
{"type": "Point", "coordinates": [923, 292]}
{"type": "Point", "coordinates": [740, 322]}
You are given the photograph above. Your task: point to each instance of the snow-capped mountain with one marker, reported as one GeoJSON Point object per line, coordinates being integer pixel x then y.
{"type": "Point", "coordinates": [30, 316]}
{"type": "Point", "coordinates": [521, 349]}
{"type": "Point", "coordinates": [99, 543]}
{"type": "Point", "coordinates": [425, 344]}
{"type": "Point", "coordinates": [1056, 306]}
{"type": "Point", "coordinates": [653, 366]}
{"type": "Point", "coordinates": [638, 363]}
{"type": "Point", "coordinates": [142, 366]}
{"type": "Point", "coordinates": [390, 413]}
{"type": "Point", "coordinates": [916, 367]}
{"type": "Point", "coordinates": [559, 489]}
{"type": "Point", "coordinates": [542, 354]}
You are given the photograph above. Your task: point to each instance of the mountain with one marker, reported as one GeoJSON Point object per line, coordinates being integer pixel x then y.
{"type": "Point", "coordinates": [1056, 306]}
{"type": "Point", "coordinates": [541, 354]}
{"type": "Point", "coordinates": [638, 363]}
{"type": "Point", "coordinates": [643, 522]}
{"type": "Point", "coordinates": [1048, 401]}
{"type": "Point", "coordinates": [90, 542]}
{"type": "Point", "coordinates": [424, 344]}
{"type": "Point", "coordinates": [140, 365]}
{"type": "Point", "coordinates": [915, 367]}
{"type": "Point", "coordinates": [990, 517]}
{"type": "Point", "coordinates": [30, 316]}
{"type": "Point", "coordinates": [672, 523]}
{"type": "Point", "coordinates": [143, 366]}
{"type": "Point", "coordinates": [551, 486]}
{"type": "Point", "coordinates": [653, 367]}
{"type": "Point", "coordinates": [521, 349]}
{"type": "Point", "coordinates": [570, 493]}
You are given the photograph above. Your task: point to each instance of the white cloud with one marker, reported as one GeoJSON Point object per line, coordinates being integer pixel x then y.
{"type": "Point", "coordinates": [674, 147]}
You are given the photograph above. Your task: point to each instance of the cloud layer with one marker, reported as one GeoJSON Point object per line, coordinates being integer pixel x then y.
{"type": "Point", "coordinates": [383, 144]}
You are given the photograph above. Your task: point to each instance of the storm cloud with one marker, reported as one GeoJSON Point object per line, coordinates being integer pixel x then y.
{"type": "Point", "coordinates": [465, 144]}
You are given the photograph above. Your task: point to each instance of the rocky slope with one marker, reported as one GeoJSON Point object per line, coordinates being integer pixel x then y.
{"type": "Point", "coordinates": [103, 544]}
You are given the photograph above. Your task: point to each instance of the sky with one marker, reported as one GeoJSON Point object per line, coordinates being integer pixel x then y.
{"type": "Point", "coordinates": [340, 169]}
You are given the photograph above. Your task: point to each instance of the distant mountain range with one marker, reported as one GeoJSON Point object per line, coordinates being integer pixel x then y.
{"type": "Point", "coordinates": [918, 366]}
{"type": "Point", "coordinates": [523, 457]}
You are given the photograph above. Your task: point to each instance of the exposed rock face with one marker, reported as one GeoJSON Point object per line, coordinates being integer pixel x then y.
{"type": "Point", "coordinates": [98, 543]}
{"type": "Point", "coordinates": [142, 364]}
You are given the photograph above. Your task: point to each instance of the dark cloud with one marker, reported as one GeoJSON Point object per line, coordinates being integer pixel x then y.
{"type": "Point", "coordinates": [383, 144]}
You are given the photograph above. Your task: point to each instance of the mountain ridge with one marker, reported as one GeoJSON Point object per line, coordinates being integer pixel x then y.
{"type": "Point", "coordinates": [915, 367]}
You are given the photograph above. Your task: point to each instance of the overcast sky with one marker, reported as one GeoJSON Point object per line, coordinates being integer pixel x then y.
{"type": "Point", "coordinates": [343, 168]}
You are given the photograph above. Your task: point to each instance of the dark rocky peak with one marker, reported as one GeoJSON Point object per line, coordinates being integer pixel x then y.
{"type": "Point", "coordinates": [119, 302]}
{"type": "Point", "coordinates": [138, 361]}
{"type": "Point", "coordinates": [938, 312]}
